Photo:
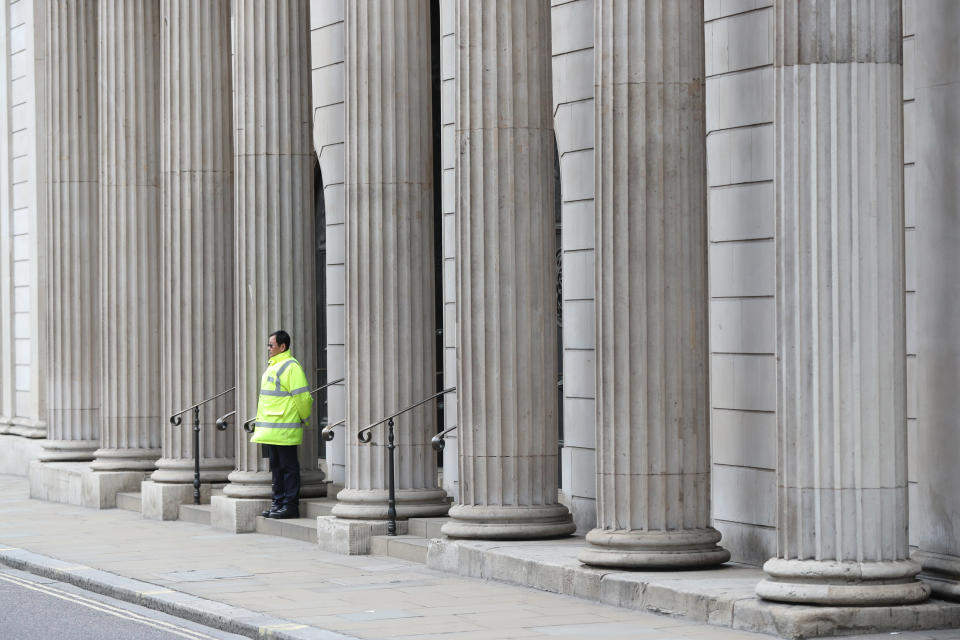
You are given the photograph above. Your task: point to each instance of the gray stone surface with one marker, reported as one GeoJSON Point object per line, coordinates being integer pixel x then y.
{"type": "Point", "coordinates": [16, 454]}
{"type": "Point", "coordinates": [842, 440]}
{"type": "Point", "coordinates": [937, 120]}
{"type": "Point", "coordinates": [77, 484]}
{"type": "Point", "coordinates": [273, 163]}
{"type": "Point", "coordinates": [723, 596]}
{"type": "Point", "coordinates": [129, 169]}
{"type": "Point", "coordinates": [653, 429]}
{"type": "Point", "coordinates": [236, 515]}
{"type": "Point", "coordinates": [73, 234]}
{"type": "Point", "coordinates": [390, 354]}
{"type": "Point", "coordinates": [506, 328]}
{"type": "Point", "coordinates": [161, 501]}
{"type": "Point", "coordinates": [196, 179]}
{"type": "Point", "coordinates": [351, 537]}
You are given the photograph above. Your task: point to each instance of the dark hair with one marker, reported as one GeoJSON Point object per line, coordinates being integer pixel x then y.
{"type": "Point", "coordinates": [283, 338]}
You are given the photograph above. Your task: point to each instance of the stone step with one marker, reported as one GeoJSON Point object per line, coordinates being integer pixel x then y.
{"type": "Point", "coordinates": [313, 507]}
{"type": "Point", "coordinates": [295, 528]}
{"type": "Point", "coordinates": [426, 527]}
{"type": "Point", "coordinates": [410, 547]}
{"type": "Point", "coordinates": [198, 513]}
{"type": "Point", "coordinates": [129, 501]}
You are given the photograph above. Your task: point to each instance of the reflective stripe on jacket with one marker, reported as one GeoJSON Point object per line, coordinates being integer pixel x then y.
{"type": "Point", "coordinates": [284, 404]}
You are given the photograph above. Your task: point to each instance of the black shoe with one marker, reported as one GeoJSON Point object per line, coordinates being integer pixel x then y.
{"type": "Point", "coordinates": [273, 507]}
{"type": "Point", "coordinates": [284, 513]}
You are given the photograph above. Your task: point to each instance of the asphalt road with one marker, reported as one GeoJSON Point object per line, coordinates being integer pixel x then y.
{"type": "Point", "coordinates": [35, 608]}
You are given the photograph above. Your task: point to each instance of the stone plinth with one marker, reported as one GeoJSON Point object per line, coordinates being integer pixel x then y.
{"type": "Point", "coordinates": [841, 411]}
{"type": "Point", "coordinates": [351, 537]}
{"type": "Point", "coordinates": [161, 501]}
{"type": "Point", "coordinates": [236, 515]}
{"type": "Point", "coordinates": [77, 484]}
{"type": "Point", "coordinates": [506, 287]}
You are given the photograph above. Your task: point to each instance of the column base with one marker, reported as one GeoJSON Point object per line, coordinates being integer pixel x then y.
{"type": "Point", "coordinates": [834, 583]}
{"type": "Point", "coordinates": [351, 537]}
{"type": "Point", "coordinates": [75, 483]}
{"type": "Point", "coordinates": [491, 522]}
{"type": "Point", "coordinates": [249, 484]}
{"type": "Point", "coordinates": [371, 504]}
{"type": "Point", "coordinates": [631, 549]}
{"type": "Point", "coordinates": [125, 459]}
{"type": "Point", "coordinates": [941, 572]}
{"type": "Point", "coordinates": [313, 484]}
{"type": "Point", "coordinates": [180, 470]}
{"type": "Point", "coordinates": [68, 450]}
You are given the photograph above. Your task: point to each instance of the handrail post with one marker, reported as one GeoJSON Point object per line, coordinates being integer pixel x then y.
{"type": "Point", "coordinates": [392, 498]}
{"type": "Point", "coordinates": [196, 455]}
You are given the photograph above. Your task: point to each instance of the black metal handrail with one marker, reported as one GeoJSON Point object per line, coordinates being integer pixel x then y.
{"type": "Point", "coordinates": [176, 420]}
{"type": "Point", "coordinates": [438, 441]}
{"type": "Point", "coordinates": [327, 432]}
{"type": "Point", "coordinates": [248, 424]}
{"type": "Point", "coordinates": [364, 436]}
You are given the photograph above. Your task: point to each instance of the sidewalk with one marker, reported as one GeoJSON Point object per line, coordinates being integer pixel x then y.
{"type": "Point", "coordinates": [274, 587]}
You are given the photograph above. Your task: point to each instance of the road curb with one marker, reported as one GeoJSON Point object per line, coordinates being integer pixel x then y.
{"type": "Point", "coordinates": [210, 613]}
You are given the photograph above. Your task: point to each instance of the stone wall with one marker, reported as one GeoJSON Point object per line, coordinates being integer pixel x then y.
{"type": "Point", "coordinates": [22, 407]}
{"type": "Point", "coordinates": [326, 41]}
{"type": "Point", "coordinates": [572, 24]}
{"type": "Point", "coordinates": [740, 145]}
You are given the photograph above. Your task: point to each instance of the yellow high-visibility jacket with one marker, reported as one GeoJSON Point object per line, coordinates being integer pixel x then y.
{"type": "Point", "coordinates": [285, 402]}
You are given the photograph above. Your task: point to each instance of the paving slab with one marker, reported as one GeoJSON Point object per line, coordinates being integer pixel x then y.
{"type": "Point", "coordinates": [257, 585]}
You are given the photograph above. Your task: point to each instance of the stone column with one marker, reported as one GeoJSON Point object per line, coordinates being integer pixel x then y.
{"type": "Point", "coordinates": [937, 127]}
{"type": "Point", "coordinates": [506, 289]}
{"type": "Point", "coordinates": [274, 218]}
{"type": "Point", "coordinates": [841, 414]}
{"type": "Point", "coordinates": [653, 441]}
{"type": "Point", "coordinates": [390, 337]}
{"type": "Point", "coordinates": [197, 210]}
{"type": "Point", "coordinates": [73, 240]}
{"type": "Point", "coordinates": [130, 299]}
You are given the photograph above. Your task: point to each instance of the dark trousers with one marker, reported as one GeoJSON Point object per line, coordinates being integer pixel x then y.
{"type": "Point", "coordinates": [285, 472]}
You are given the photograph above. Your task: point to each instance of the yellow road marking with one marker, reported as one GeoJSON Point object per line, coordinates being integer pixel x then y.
{"type": "Point", "coordinates": [107, 608]}
{"type": "Point", "coordinates": [156, 592]}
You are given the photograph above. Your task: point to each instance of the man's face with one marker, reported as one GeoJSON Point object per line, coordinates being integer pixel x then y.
{"type": "Point", "coordinates": [272, 347]}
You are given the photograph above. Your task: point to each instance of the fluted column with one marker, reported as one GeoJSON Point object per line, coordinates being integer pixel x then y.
{"type": "Point", "coordinates": [653, 449]}
{"type": "Point", "coordinates": [197, 210]}
{"type": "Point", "coordinates": [841, 415]}
{"type": "Point", "coordinates": [73, 241]}
{"type": "Point", "coordinates": [130, 303]}
{"type": "Point", "coordinates": [274, 218]}
{"type": "Point", "coordinates": [390, 337]}
{"type": "Point", "coordinates": [937, 127]}
{"type": "Point", "coordinates": [506, 292]}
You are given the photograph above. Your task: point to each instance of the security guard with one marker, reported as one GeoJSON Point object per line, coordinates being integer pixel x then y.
{"type": "Point", "coordinates": [282, 413]}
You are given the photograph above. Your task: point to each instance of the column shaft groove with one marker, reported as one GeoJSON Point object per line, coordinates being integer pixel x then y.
{"type": "Point", "coordinates": [197, 210]}
{"type": "Point", "coordinates": [506, 290]}
{"type": "Point", "coordinates": [274, 218]}
{"type": "Point", "coordinates": [842, 449]}
{"type": "Point", "coordinates": [73, 239]}
{"type": "Point", "coordinates": [653, 457]}
{"type": "Point", "coordinates": [129, 109]}
{"type": "Point", "coordinates": [390, 354]}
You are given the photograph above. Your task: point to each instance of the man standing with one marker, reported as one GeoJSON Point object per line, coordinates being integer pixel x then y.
{"type": "Point", "coordinates": [282, 413]}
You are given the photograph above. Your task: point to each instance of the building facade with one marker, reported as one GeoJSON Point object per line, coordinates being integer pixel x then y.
{"type": "Point", "coordinates": [752, 351]}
